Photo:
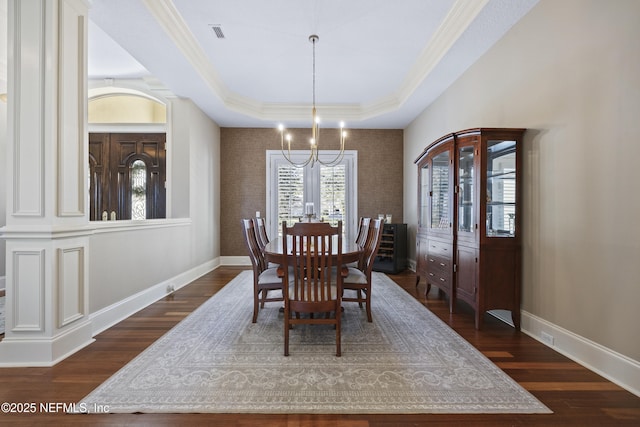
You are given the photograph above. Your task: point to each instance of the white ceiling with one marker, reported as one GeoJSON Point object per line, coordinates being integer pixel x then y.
{"type": "Point", "coordinates": [378, 63]}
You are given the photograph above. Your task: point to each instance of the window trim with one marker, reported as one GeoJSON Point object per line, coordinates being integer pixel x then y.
{"type": "Point", "coordinates": [274, 157]}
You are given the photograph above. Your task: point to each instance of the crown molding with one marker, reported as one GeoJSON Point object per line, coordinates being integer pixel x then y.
{"type": "Point", "coordinates": [459, 18]}
{"type": "Point", "coordinates": [177, 29]}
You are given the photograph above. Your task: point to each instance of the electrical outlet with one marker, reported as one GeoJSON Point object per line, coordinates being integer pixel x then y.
{"type": "Point", "coordinates": [547, 338]}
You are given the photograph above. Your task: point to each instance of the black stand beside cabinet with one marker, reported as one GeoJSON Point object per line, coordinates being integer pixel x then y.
{"type": "Point", "coordinates": [392, 254]}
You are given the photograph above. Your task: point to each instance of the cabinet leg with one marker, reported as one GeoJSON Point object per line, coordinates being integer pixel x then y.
{"type": "Point", "coordinates": [417, 280]}
{"type": "Point", "coordinates": [479, 318]}
{"type": "Point", "coordinates": [427, 289]}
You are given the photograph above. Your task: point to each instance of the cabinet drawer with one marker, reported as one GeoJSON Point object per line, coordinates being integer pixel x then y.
{"type": "Point", "coordinates": [438, 263]}
{"type": "Point", "coordinates": [439, 279]}
{"type": "Point", "coordinates": [440, 249]}
{"type": "Point", "coordinates": [439, 257]}
{"type": "Point", "coordinates": [439, 269]}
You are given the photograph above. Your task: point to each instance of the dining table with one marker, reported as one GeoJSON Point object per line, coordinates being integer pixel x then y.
{"type": "Point", "coordinates": [351, 251]}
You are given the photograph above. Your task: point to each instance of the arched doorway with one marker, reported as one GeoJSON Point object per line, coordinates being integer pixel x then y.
{"type": "Point", "coordinates": [127, 164]}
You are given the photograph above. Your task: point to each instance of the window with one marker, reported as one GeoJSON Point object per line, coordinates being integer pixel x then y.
{"type": "Point", "coordinates": [332, 190]}
{"type": "Point", "coordinates": [333, 193]}
{"type": "Point", "coordinates": [290, 190]}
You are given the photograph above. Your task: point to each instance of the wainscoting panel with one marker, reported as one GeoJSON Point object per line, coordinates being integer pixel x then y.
{"type": "Point", "coordinates": [29, 288]}
{"type": "Point", "coordinates": [71, 284]}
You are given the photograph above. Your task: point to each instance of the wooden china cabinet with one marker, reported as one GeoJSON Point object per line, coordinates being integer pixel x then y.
{"type": "Point", "coordinates": [469, 219]}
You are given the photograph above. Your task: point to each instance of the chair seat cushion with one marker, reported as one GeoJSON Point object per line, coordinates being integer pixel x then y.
{"type": "Point", "coordinates": [269, 276]}
{"type": "Point", "coordinates": [355, 276]}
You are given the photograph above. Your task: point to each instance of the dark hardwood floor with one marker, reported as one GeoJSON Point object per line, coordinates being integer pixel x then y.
{"type": "Point", "coordinates": [577, 396]}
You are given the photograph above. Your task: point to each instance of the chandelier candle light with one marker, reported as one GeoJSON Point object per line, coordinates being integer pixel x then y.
{"type": "Point", "coordinates": [315, 129]}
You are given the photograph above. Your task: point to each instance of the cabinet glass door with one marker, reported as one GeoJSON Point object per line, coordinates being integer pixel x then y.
{"type": "Point", "coordinates": [465, 189]}
{"type": "Point", "coordinates": [440, 191]}
{"type": "Point", "coordinates": [424, 196]}
{"type": "Point", "coordinates": [501, 188]}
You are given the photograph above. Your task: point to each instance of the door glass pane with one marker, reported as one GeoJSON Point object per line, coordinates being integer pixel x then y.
{"type": "Point", "coordinates": [138, 174]}
{"type": "Point", "coordinates": [333, 194]}
{"type": "Point", "coordinates": [501, 188]}
{"type": "Point", "coordinates": [290, 194]}
{"type": "Point", "coordinates": [440, 191]}
{"type": "Point", "coordinates": [465, 189]}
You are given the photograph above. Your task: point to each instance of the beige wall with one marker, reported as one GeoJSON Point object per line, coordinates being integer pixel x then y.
{"type": "Point", "coordinates": [243, 170]}
{"type": "Point", "coordinates": [570, 73]}
{"type": "Point", "coordinates": [3, 189]}
{"type": "Point", "coordinates": [126, 109]}
{"type": "Point", "coordinates": [126, 260]}
{"type": "Point", "coordinates": [3, 132]}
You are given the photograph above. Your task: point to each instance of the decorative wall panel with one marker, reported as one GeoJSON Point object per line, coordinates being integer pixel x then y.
{"type": "Point", "coordinates": [72, 112]}
{"type": "Point", "coordinates": [28, 286]}
{"type": "Point", "coordinates": [28, 123]}
{"type": "Point", "coordinates": [70, 285]}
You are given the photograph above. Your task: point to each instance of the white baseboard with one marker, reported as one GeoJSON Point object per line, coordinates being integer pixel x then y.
{"type": "Point", "coordinates": [615, 367]}
{"type": "Point", "coordinates": [107, 317]}
{"type": "Point", "coordinates": [235, 260]}
{"type": "Point", "coordinates": [39, 352]}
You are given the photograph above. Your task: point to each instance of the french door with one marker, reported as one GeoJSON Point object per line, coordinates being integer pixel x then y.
{"type": "Point", "coordinates": [332, 190]}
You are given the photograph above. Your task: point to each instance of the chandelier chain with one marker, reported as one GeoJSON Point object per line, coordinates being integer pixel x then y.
{"type": "Point", "coordinates": [313, 40]}
{"type": "Point", "coordinates": [314, 156]}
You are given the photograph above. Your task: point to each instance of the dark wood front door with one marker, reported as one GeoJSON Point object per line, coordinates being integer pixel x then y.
{"type": "Point", "coordinates": [125, 168]}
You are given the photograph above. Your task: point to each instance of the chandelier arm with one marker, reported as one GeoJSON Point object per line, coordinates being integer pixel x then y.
{"type": "Point", "coordinates": [336, 161]}
{"type": "Point", "coordinates": [294, 164]}
{"type": "Point", "coordinates": [340, 155]}
{"type": "Point", "coordinates": [288, 157]}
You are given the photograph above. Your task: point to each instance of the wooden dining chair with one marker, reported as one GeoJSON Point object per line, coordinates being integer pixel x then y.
{"type": "Point", "coordinates": [265, 278]}
{"type": "Point", "coordinates": [363, 229]}
{"type": "Point", "coordinates": [358, 279]}
{"type": "Point", "coordinates": [261, 232]}
{"type": "Point", "coordinates": [361, 238]}
{"type": "Point", "coordinates": [313, 251]}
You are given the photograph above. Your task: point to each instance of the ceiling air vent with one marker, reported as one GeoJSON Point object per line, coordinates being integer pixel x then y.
{"type": "Point", "coordinates": [217, 29]}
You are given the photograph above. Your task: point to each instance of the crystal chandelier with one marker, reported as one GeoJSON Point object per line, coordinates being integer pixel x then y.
{"type": "Point", "coordinates": [314, 141]}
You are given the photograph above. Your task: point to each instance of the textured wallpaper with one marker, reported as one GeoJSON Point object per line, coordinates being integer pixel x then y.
{"type": "Point", "coordinates": [243, 170]}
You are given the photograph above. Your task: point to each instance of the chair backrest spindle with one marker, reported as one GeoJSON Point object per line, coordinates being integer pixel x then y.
{"type": "Point", "coordinates": [315, 256]}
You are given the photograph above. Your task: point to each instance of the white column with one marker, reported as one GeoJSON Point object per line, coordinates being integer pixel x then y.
{"type": "Point", "coordinates": [47, 229]}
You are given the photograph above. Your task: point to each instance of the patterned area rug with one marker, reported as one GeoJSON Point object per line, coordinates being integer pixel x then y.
{"type": "Point", "coordinates": [406, 361]}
